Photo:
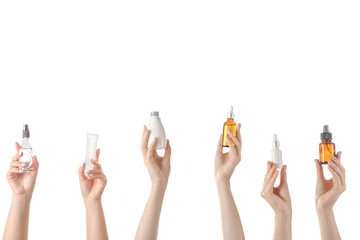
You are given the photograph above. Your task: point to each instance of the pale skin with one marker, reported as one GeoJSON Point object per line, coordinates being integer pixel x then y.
{"type": "Point", "coordinates": [22, 185]}
{"type": "Point", "coordinates": [279, 199]}
{"type": "Point", "coordinates": [225, 164]}
{"type": "Point", "coordinates": [92, 187]}
{"type": "Point", "coordinates": [326, 195]}
{"type": "Point", "coordinates": [159, 171]}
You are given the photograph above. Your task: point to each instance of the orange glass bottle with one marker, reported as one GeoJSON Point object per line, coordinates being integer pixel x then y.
{"type": "Point", "coordinates": [326, 147]}
{"type": "Point", "coordinates": [229, 125]}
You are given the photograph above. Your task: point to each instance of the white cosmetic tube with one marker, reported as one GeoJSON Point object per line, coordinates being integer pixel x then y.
{"type": "Point", "coordinates": [92, 140]}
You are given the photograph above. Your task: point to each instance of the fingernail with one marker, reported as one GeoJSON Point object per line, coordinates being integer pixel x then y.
{"type": "Point", "coordinates": [20, 171]}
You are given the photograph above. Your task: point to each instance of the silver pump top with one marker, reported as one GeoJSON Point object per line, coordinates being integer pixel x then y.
{"type": "Point", "coordinates": [155, 113]}
{"type": "Point", "coordinates": [276, 143]}
{"type": "Point", "coordinates": [231, 113]}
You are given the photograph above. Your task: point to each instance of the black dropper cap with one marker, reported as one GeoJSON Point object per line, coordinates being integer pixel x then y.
{"type": "Point", "coordinates": [326, 134]}
{"type": "Point", "coordinates": [26, 132]}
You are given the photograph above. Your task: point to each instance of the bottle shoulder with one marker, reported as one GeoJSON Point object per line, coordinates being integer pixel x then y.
{"type": "Point", "coordinates": [25, 143]}
{"type": "Point", "coordinates": [230, 121]}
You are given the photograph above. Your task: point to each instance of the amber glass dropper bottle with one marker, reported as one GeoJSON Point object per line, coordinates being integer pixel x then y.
{"type": "Point", "coordinates": [229, 125]}
{"type": "Point", "coordinates": [326, 147]}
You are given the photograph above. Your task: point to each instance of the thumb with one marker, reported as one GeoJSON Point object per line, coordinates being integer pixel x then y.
{"type": "Point", "coordinates": [82, 176]}
{"type": "Point", "coordinates": [319, 170]}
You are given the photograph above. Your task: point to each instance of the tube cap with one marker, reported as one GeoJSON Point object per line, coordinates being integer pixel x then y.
{"type": "Point", "coordinates": [155, 113]}
{"type": "Point", "coordinates": [26, 132]}
{"type": "Point", "coordinates": [326, 134]}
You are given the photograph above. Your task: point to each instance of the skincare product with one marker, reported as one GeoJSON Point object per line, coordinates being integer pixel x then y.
{"type": "Point", "coordinates": [157, 131]}
{"type": "Point", "coordinates": [92, 140]}
{"type": "Point", "coordinates": [229, 125]}
{"type": "Point", "coordinates": [326, 147]}
{"type": "Point", "coordinates": [27, 158]}
{"type": "Point", "coordinates": [276, 154]}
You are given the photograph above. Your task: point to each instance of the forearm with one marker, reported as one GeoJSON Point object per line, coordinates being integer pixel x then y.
{"type": "Point", "coordinates": [328, 228]}
{"type": "Point", "coordinates": [95, 220]}
{"type": "Point", "coordinates": [149, 223]}
{"type": "Point", "coordinates": [231, 223]}
{"type": "Point", "coordinates": [283, 226]}
{"type": "Point", "coordinates": [18, 219]}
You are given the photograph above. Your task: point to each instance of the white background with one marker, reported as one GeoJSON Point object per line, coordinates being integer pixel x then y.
{"type": "Point", "coordinates": [71, 67]}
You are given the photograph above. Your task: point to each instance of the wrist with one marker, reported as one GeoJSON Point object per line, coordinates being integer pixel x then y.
{"type": "Point", "coordinates": [284, 214]}
{"type": "Point", "coordinates": [159, 186]}
{"type": "Point", "coordinates": [321, 210]}
{"type": "Point", "coordinates": [22, 198]}
{"type": "Point", "coordinates": [223, 183]}
{"type": "Point", "coordinates": [92, 202]}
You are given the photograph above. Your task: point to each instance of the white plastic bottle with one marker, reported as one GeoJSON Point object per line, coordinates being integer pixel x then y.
{"type": "Point", "coordinates": [157, 130]}
{"type": "Point", "coordinates": [276, 154]}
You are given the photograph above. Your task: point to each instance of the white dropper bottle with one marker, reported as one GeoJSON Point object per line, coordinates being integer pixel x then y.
{"type": "Point", "coordinates": [276, 154]}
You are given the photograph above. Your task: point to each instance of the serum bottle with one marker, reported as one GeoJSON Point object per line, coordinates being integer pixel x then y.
{"type": "Point", "coordinates": [276, 154]}
{"type": "Point", "coordinates": [326, 147]}
{"type": "Point", "coordinates": [26, 149]}
{"type": "Point", "coordinates": [229, 125]}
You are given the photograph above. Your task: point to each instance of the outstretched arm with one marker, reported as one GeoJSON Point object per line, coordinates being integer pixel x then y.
{"type": "Point", "coordinates": [327, 193]}
{"type": "Point", "coordinates": [92, 188]}
{"type": "Point", "coordinates": [22, 185]}
{"type": "Point", "coordinates": [225, 164]}
{"type": "Point", "coordinates": [159, 171]}
{"type": "Point", "coordinates": [279, 199]}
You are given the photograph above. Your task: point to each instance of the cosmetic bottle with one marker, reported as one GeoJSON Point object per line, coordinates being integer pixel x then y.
{"type": "Point", "coordinates": [229, 125]}
{"type": "Point", "coordinates": [276, 154]}
{"type": "Point", "coordinates": [26, 149]}
{"type": "Point", "coordinates": [157, 131]}
{"type": "Point", "coordinates": [326, 147]}
{"type": "Point", "coordinates": [91, 145]}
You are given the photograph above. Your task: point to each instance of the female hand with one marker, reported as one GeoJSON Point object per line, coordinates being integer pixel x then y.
{"type": "Point", "coordinates": [158, 167]}
{"type": "Point", "coordinates": [92, 186]}
{"type": "Point", "coordinates": [225, 163]}
{"type": "Point", "coordinates": [21, 183]}
{"type": "Point", "coordinates": [278, 197]}
{"type": "Point", "coordinates": [328, 191]}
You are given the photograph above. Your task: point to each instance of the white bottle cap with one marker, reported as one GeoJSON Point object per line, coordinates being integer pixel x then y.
{"type": "Point", "coordinates": [231, 113]}
{"type": "Point", "coordinates": [276, 143]}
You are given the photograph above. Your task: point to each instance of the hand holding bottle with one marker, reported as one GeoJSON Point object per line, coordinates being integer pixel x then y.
{"type": "Point", "coordinates": [225, 163]}
{"type": "Point", "coordinates": [278, 197]}
{"type": "Point", "coordinates": [328, 191]}
{"type": "Point", "coordinates": [22, 183]}
{"type": "Point", "coordinates": [94, 184]}
{"type": "Point", "coordinates": [158, 167]}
